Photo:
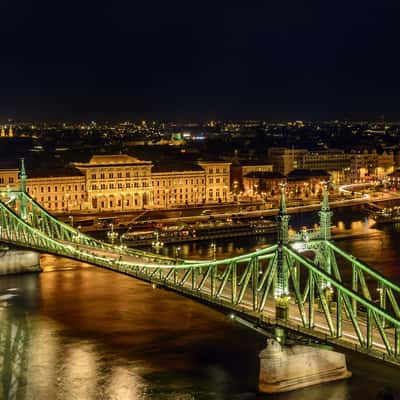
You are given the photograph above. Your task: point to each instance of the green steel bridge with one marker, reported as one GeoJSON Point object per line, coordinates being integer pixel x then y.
{"type": "Point", "coordinates": [302, 289]}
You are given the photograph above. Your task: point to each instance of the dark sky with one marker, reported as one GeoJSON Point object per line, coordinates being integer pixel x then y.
{"type": "Point", "coordinates": [117, 59]}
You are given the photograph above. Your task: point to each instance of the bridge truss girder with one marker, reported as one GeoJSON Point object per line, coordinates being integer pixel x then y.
{"type": "Point", "coordinates": [321, 301]}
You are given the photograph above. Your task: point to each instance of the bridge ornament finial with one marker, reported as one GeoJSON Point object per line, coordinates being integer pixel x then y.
{"type": "Point", "coordinates": [282, 201]}
{"type": "Point", "coordinates": [325, 200]}
{"type": "Point", "coordinates": [22, 187]}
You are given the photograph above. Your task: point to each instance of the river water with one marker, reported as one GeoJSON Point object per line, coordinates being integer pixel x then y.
{"type": "Point", "coordinates": [80, 332]}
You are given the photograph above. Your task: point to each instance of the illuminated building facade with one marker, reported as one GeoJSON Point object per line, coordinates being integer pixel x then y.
{"type": "Point", "coordinates": [65, 192]}
{"type": "Point", "coordinates": [117, 182]}
{"type": "Point", "coordinates": [122, 183]}
{"type": "Point", "coordinates": [342, 166]}
{"type": "Point", "coordinates": [178, 185]}
{"type": "Point", "coordinates": [371, 165]}
{"type": "Point", "coordinates": [217, 175]}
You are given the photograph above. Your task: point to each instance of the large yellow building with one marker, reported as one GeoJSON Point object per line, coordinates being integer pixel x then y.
{"type": "Point", "coordinates": [117, 182]}
{"type": "Point", "coordinates": [123, 183]}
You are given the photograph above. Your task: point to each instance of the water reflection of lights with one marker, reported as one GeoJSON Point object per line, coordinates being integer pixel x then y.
{"type": "Point", "coordinates": [80, 379]}
{"type": "Point", "coordinates": [14, 337]}
{"type": "Point", "coordinates": [125, 384]}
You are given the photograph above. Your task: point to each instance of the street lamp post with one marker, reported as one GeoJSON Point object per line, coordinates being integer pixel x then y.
{"type": "Point", "coordinates": [214, 250]}
{"type": "Point", "coordinates": [177, 252]}
{"type": "Point", "coordinates": [71, 218]}
{"type": "Point", "coordinates": [112, 236]}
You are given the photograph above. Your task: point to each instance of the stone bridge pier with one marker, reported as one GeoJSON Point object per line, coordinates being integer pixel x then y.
{"type": "Point", "coordinates": [284, 368]}
{"type": "Point", "coordinates": [19, 261]}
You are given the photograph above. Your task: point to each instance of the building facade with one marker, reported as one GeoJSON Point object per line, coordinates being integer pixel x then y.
{"type": "Point", "coordinates": [117, 182]}
{"type": "Point", "coordinates": [371, 165]}
{"type": "Point", "coordinates": [342, 166]}
{"type": "Point", "coordinates": [123, 183]}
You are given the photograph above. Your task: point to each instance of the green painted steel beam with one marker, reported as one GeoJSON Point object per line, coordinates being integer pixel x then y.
{"type": "Point", "coordinates": [338, 285]}
{"type": "Point", "coordinates": [364, 267]}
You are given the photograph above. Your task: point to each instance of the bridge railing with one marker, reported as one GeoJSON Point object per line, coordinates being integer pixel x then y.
{"type": "Point", "coordinates": [41, 219]}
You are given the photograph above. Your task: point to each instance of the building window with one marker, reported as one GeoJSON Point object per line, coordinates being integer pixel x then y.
{"type": "Point", "coordinates": [111, 175]}
{"type": "Point", "coordinates": [119, 175]}
{"type": "Point", "coordinates": [102, 176]}
{"type": "Point", "coordinates": [128, 174]}
{"type": "Point", "coordinates": [93, 176]}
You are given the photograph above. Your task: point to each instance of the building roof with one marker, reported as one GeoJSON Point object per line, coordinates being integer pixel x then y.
{"type": "Point", "coordinates": [246, 163]}
{"type": "Point", "coordinates": [300, 174]}
{"type": "Point", "coordinates": [114, 159]}
{"type": "Point", "coordinates": [51, 172]}
{"type": "Point", "coordinates": [264, 175]}
{"type": "Point", "coordinates": [175, 166]}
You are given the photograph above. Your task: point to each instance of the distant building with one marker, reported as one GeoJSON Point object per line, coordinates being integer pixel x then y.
{"type": "Point", "coordinates": [177, 184]}
{"type": "Point", "coordinates": [285, 159]}
{"type": "Point", "coordinates": [342, 166]}
{"type": "Point", "coordinates": [239, 170]}
{"type": "Point", "coordinates": [262, 184]}
{"type": "Point", "coordinates": [371, 165]}
{"type": "Point", "coordinates": [303, 183]}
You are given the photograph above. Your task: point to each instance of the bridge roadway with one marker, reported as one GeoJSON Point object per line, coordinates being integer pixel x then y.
{"type": "Point", "coordinates": [260, 321]}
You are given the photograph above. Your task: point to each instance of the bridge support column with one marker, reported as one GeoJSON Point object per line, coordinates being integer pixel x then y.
{"type": "Point", "coordinates": [19, 261]}
{"type": "Point", "coordinates": [286, 368]}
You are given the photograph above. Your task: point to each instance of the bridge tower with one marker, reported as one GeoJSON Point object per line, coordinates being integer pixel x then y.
{"type": "Point", "coordinates": [325, 221]}
{"type": "Point", "coordinates": [22, 186]}
{"type": "Point", "coordinates": [281, 290]}
{"type": "Point", "coordinates": [325, 216]}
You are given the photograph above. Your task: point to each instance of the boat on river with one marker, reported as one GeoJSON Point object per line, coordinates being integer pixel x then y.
{"type": "Point", "coordinates": [197, 232]}
{"type": "Point", "coordinates": [387, 216]}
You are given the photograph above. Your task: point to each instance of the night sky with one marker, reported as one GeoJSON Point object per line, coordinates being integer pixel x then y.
{"type": "Point", "coordinates": [274, 60]}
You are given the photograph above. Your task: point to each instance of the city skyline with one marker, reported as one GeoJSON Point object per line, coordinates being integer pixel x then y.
{"type": "Point", "coordinates": [212, 61]}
